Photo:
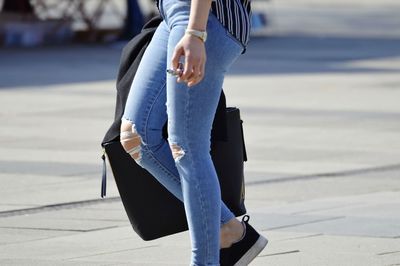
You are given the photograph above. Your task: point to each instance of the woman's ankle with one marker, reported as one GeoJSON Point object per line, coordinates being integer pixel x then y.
{"type": "Point", "coordinates": [231, 232]}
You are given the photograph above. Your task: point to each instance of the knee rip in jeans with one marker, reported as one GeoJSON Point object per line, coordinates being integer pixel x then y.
{"type": "Point", "coordinates": [177, 152]}
{"type": "Point", "coordinates": [131, 140]}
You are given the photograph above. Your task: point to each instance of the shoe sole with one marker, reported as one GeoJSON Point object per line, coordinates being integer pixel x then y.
{"type": "Point", "coordinates": [253, 252]}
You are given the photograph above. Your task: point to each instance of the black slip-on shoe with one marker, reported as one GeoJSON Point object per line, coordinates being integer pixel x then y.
{"type": "Point", "coordinates": [242, 252]}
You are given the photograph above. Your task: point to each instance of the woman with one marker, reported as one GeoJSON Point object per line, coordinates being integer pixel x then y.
{"type": "Point", "coordinates": [206, 37]}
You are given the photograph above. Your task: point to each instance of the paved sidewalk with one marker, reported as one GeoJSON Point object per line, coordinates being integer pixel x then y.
{"type": "Point", "coordinates": [322, 123]}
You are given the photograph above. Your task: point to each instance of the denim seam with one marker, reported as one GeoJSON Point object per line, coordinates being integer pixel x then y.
{"type": "Point", "coordinates": [197, 186]}
{"type": "Point", "coordinates": [151, 106]}
{"type": "Point", "coordinates": [143, 123]}
{"type": "Point", "coordinates": [146, 117]}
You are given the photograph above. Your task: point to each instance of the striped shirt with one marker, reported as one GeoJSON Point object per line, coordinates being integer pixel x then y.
{"type": "Point", "coordinates": [235, 15]}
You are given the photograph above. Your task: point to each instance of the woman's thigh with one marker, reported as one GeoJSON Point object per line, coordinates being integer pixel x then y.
{"type": "Point", "coordinates": [191, 110]}
{"type": "Point", "coordinates": [145, 106]}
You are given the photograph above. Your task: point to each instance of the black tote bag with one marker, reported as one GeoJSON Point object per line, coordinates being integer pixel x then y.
{"type": "Point", "coordinates": [152, 210]}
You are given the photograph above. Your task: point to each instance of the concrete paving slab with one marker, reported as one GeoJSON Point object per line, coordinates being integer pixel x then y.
{"type": "Point", "coordinates": [166, 255]}
{"type": "Point", "coordinates": [75, 224]}
{"type": "Point", "coordinates": [46, 168]}
{"type": "Point", "coordinates": [358, 210]}
{"type": "Point", "coordinates": [319, 187]}
{"type": "Point", "coordinates": [313, 206]}
{"type": "Point", "coordinates": [29, 262]}
{"type": "Point", "coordinates": [351, 18]}
{"type": "Point", "coordinates": [19, 235]}
{"type": "Point", "coordinates": [321, 249]}
{"type": "Point", "coordinates": [65, 66]}
{"type": "Point", "coordinates": [9, 207]}
{"type": "Point", "coordinates": [359, 226]}
{"type": "Point", "coordinates": [51, 151]}
{"type": "Point", "coordinates": [352, 215]}
{"type": "Point", "coordinates": [73, 245]}
{"type": "Point", "coordinates": [275, 221]}
{"type": "Point", "coordinates": [113, 211]}
{"type": "Point", "coordinates": [60, 193]}
{"type": "Point", "coordinates": [342, 205]}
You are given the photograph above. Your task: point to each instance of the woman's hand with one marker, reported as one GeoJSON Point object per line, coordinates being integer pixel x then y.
{"type": "Point", "coordinates": [194, 52]}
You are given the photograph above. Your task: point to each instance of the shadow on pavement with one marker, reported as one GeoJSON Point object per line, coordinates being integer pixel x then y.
{"type": "Point", "coordinates": [57, 65]}
{"type": "Point", "coordinates": [311, 54]}
{"type": "Point", "coordinates": [265, 55]}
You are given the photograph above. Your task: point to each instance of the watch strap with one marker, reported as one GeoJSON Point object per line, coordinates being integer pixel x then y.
{"type": "Point", "coordinates": [200, 34]}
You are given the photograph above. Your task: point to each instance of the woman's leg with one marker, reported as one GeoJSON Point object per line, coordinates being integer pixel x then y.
{"type": "Point", "coordinates": [190, 115]}
{"type": "Point", "coordinates": [144, 117]}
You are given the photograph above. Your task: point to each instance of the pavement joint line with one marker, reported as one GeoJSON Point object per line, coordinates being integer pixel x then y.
{"type": "Point", "coordinates": [52, 207]}
{"type": "Point", "coordinates": [75, 204]}
{"type": "Point", "coordinates": [327, 208]}
{"type": "Point", "coordinates": [320, 112]}
{"type": "Point", "coordinates": [30, 240]}
{"type": "Point", "coordinates": [60, 229]}
{"type": "Point", "coordinates": [388, 253]}
{"type": "Point", "coordinates": [300, 237]}
{"type": "Point", "coordinates": [66, 205]}
{"type": "Point", "coordinates": [384, 168]}
{"type": "Point", "coordinates": [91, 219]}
{"type": "Point", "coordinates": [39, 239]}
{"type": "Point", "coordinates": [309, 222]}
{"type": "Point", "coordinates": [86, 173]}
{"type": "Point", "coordinates": [111, 252]}
{"type": "Point", "coordinates": [280, 253]}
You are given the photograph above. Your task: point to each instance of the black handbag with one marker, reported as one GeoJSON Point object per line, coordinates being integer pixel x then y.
{"type": "Point", "coordinates": [152, 210]}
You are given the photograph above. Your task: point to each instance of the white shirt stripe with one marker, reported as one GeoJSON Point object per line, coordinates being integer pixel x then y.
{"type": "Point", "coordinates": [235, 15]}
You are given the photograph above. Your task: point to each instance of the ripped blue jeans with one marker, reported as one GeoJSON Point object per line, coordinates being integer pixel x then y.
{"type": "Point", "coordinates": [182, 163]}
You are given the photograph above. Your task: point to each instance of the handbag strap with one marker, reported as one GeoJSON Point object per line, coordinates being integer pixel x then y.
{"type": "Point", "coordinates": [104, 175]}
{"type": "Point", "coordinates": [243, 144]}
